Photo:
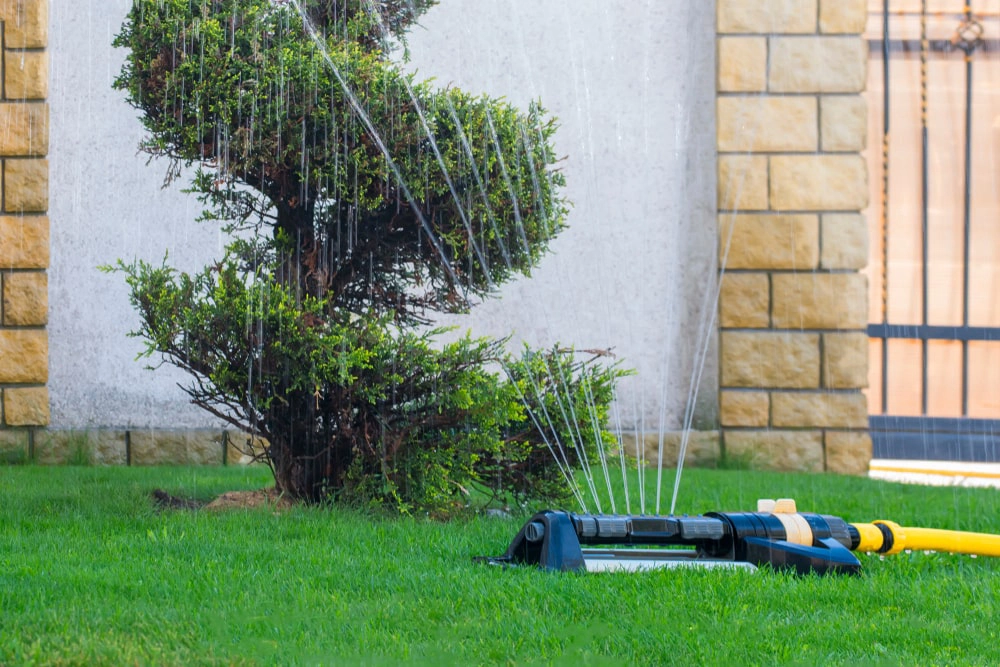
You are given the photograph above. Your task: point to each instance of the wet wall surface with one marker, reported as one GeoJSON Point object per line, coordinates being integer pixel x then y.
{"type": "Point", "coordinates": [633, 84]}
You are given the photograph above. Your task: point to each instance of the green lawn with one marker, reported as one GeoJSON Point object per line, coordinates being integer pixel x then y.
{"type": "Point", "coordinates": [91, 573]}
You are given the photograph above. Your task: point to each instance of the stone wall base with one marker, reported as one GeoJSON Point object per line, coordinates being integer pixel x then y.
{"type": "Point", "coordinates": [802, 450]}
{"type": "Point", "coordinates": [128, 447]}
{"type": "Point", "coordinates": [846, 452]}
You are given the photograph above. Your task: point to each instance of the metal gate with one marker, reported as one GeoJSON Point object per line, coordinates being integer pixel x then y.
{"type": "Point", "coordinates": [935, 269]}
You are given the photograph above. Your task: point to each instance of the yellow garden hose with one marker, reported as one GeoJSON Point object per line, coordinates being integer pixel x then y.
{"type": "Point", "coordinates": [888, 537]}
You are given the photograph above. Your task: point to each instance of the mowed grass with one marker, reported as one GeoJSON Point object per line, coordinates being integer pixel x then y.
{"type": "Point", "coordinates": [91, 573]}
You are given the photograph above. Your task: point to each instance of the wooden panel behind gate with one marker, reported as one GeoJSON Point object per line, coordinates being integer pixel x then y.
{"type": "Point", "coordinates": [934, 272]}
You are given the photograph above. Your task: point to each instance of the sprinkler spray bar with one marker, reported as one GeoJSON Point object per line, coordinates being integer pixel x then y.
{"type": "Point", "coordinates": [776, 535]}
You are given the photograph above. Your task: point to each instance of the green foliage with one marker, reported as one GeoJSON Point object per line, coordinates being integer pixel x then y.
{"type": "Point", "coordinates": [361, 202]}
{"type": "Point", "coordinates": [237, 87]}
{"type": "Point", "coordinates": [376, 413]}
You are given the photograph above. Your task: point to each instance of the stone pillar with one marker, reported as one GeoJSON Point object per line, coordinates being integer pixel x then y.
{"type": "Point", "coordinates": [24, 227]}
{"type": "Point", "coordinates": [792, 183]}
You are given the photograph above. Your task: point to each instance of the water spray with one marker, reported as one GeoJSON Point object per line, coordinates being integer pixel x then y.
{"type": "Point", "coordinates": [776, 535]}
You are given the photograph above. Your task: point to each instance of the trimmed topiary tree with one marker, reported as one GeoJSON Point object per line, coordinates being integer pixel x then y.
{"type": "Point", "coordinates": [361, 203]}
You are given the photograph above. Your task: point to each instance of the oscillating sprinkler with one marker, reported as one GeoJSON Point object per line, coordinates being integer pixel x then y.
{"type": "Point", "coordinates": [777, 535]}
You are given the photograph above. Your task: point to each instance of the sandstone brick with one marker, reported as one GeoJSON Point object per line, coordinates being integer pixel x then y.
{"type": "Point", "coordinates": [818, 183]}
{"type": "Point", "coordinates": [50, 449]}
{"type": "Point", "coordinates": [13, 446]}
{"type": "Point", "coordinates": [848, 452]}
{"type": "Point", "coordinates": [819, 410]}
{"type": "Point", "coordinates": [843, 123]}
{"type": "Point", "coordinates": [819, 300]}
{"type": "Point", "coordinates": [744, 408]}
{"type": "Point", "coordinates": [25, 23]}
{"type": "Point", "coordinates": [148, 447]}
{"type": "Point", "coordinates": [26, 186]}
{"type": "Point", "coordinates": [762, 124]}
{"type": "Point", "coordinates": [163, 446]}
{"type": "Point", "coordinates": [772, 359]}
{"type": "Point", "coordinates": [773, 16]}
{"type": "Point", "coordinates": [843, 16]}
{"type": "Point", "coordinates": [845, 360]}
{"type": "Point", "coordinates": [205, 447]}
{"type": "Point", "coordinates": [24, 356]}
{"type": "Point", "coordinates": [743, 182]}
{"type": "Point", "coordinates": [26, 406]}
{"type": "Point", "coordinates": [97, 447]}
{"type": "Point", "coordinates": [108, 447]}
{"type": "Point", "coordinates": [25, 299]}
{"type": "Point", "coordinates": [818, 65]}
{"type": "Point", "coordinates": [62, 447]}
{"type": "Point", "coordinates": [745, 301]}
{"type": "Point", "coordinates": [24, 129]}
{"type": "Point", "coordinates": [26, 75]}
{"type": "Point", "coordinates": [55, 447]}
{"type": "Point", "coordinates": [769, 241]}
{"type": "Point", "coordinates": [702, 449]}
{"type": "Point", "coordinates": [845, 241]}
{"type": "Point", "coordinates": [742, 64]}
{"type": "Point", "coordinates": [792, 451]}
{"type": "Point", "coordinates": [24, 242]}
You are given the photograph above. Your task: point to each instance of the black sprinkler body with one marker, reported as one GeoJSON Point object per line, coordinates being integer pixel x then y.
{"type": "Point", "coordinates": [778, 537]}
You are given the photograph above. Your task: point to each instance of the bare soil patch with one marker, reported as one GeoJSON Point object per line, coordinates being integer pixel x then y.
{"type": "Point", "coordinates": [250, 499]}
{"type": "Point", "coordinates": [230, 500]}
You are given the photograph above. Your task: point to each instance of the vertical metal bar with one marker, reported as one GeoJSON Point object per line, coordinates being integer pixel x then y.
{"type": "Point", "coordinates": [885, 202]}
{"type": "Point", "coordinates": [924, 190]}
{"type": "Point", "coordinates": [967, 221]}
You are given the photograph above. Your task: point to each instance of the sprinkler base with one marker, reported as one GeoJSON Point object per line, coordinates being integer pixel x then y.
{"type": "Point", "coordinates": [555, 540]}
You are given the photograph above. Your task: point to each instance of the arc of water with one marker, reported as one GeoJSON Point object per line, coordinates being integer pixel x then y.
{"type": "Point", "coordinates": [696, 375]}
{"type": "Point", "coordinates": [480, 184]}
{"type": "Point", "coordinates": [373, 13]}
{"type": "Point", "coordinates": [601, 452]}
{"type": "Point", "coordinates": [536, 385]}
{"type": "Point", "coordinates": [520, 226]}
{"type": "Point", "coordinates": [681, 131]}
{"type": "Point", "coordinates": [621, 447]}
{"type": "Point", "coordinates": [565, 469]}
{"type": "Point", "coordinates": [662, 428]}
{"type": "Point", "coordinates": [490, 216]}
{"type": "Point", "coordinates": [640, 449]}
{"type": "Point", "coordinates": [710, 309]}
{"type": "Point", "coordinates": [518, 221]}
{"type": "Point", "coordinates": [376, 137]}
{"type": "Point", "coordinates": [536, 183]}
{"type": "Point", "coordinates": [571, 425]}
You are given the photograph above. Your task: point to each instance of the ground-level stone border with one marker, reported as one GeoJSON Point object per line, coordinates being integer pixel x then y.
{"type": "Point", "coordinates": [136, 447]}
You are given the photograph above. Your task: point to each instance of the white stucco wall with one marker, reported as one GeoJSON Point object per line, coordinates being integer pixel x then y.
{"type": "Point", "coordinates": [633, 84]}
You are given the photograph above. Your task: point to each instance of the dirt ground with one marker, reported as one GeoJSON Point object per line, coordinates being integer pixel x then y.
{"type": "Point", "coordinates": [231, 500]}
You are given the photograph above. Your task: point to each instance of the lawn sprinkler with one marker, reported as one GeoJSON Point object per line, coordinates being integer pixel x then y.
{"type": "Point", "coordinates": [776, 535]}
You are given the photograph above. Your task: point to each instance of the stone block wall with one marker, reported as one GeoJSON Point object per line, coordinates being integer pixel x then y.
{"type": "Point", "coordinates": [24, 227]}
{"type": "Point", "coordinates": [792, 182]}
